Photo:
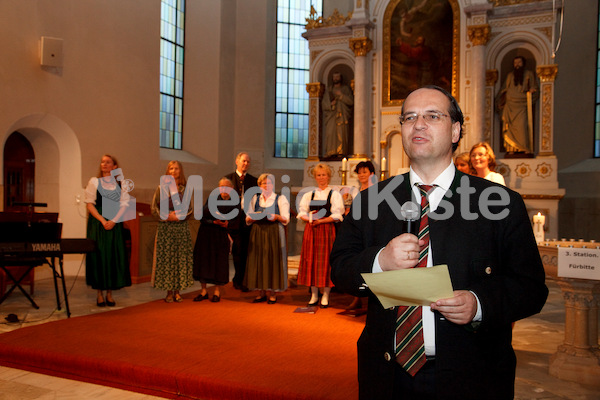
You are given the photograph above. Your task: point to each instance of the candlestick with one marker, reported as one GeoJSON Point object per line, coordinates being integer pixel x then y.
{"type": "Point", "coordinates": [383, 164]}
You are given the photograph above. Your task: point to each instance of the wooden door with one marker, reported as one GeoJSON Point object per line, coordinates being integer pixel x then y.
{"type": "Point", "coordinates": [19, 172]}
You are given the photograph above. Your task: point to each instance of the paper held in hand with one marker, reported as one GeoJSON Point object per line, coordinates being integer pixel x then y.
{"type": "Point", "coordinates": [410, 287]}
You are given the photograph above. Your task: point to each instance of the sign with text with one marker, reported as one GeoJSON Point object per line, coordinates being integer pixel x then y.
{"type": "Point", "coordinates": [579, 263]}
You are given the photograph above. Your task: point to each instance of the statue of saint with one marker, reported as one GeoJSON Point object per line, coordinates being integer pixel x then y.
{"type": "Point", "coordinates": [337, 105]}
{"type": "Point", "coordinates": [515, 102]}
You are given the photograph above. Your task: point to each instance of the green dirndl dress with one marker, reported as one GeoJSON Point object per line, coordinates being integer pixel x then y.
{"type": "Point", "coordinates": [107, 268]}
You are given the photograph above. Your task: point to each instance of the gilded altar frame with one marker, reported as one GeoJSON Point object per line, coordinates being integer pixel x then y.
{"type": "Point", "coordinates": [389, 31]}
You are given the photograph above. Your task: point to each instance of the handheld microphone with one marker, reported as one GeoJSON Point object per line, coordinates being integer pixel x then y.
{"type": "Point", "coordinates": [410, 212]}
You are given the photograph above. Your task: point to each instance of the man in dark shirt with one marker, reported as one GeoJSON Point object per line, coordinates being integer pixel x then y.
{"type": "Point", "coordinates": [242, 181]}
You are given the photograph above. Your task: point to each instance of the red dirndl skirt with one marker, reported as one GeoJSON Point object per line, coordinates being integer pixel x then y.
{"type": "Point", "coordinates": [317, 242]}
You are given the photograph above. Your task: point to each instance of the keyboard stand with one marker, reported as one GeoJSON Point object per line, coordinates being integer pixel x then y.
{"type": "Point", "coordinates": [30, 264]}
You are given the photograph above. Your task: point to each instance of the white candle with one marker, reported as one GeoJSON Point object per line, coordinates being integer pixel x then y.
{"type": "Point", "coordinates": [383, 164]}
{"type": "Point", "coordinates": [344, 164]}
{"type": "Point", "coordinates": [538, 227]}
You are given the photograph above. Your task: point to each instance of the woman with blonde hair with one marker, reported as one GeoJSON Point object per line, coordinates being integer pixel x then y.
{"type": "Point", "coordinates": [173, 256]}
{"type": "Point", "coordinates": [319, 234]}
{"type": "Point", "coordinates": [266, 266]}
{"type": "Point", "coordinates": [483, 162]}
{"type": "Point", "coordinates": [107, 268]}
{"type": "Point", "coordinates": [462, 162]}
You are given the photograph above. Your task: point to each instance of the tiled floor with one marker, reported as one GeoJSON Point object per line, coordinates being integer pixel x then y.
{"type": "Point", "coordinates": [535, 339]}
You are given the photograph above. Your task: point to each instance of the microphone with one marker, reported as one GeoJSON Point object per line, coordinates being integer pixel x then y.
{"type": "Point", "coordinates": [410, 212]}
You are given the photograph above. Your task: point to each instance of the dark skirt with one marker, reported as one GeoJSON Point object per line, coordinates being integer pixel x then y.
{"type": "Point", "coordinates": [211, 254]}
{"type": "Point", "coordinates": [266, 266]}
{"type": "Point", "coordinates": [107, 268]}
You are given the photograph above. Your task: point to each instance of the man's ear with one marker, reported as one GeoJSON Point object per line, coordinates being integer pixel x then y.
{"type": "Point", "coordinates": [455, 132]}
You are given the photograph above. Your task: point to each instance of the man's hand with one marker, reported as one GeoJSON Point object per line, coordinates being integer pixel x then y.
{"type": "Point", "coordinates": [401, 252]}
{"type": "Point", "coordinates": [460, 309]}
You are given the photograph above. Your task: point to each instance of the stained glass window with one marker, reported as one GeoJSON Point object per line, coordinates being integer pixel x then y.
{"type": "Point", "coordinates": [172, 35]}
{"type": "Point", "coordinates": [293, 62]}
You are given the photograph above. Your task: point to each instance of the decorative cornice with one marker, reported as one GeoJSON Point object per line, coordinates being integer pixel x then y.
{"type": "Point", "coordinates": [491, 77]}
{"type": "Point", "coordinates": [315, 89]}
{"type": "Point", "coordinates": [336, 19]}
{"type": "Point", "coordinates": [361, 46]}
{"type": "Point", "coordinates": [479, 35]}
{"type": "Point", "coordinates": [547, 73]}
{"type": "Point", "coordinates": [498, 3]}
{"type": "Point", "coordinates": [542, 196]}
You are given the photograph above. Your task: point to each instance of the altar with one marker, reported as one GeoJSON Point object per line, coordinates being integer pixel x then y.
{"type": "Point", "coordinates": [475, 43]}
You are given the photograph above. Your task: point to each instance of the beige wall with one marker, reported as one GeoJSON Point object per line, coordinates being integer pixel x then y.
{"type": "Point", "coordinates": [579, 172]}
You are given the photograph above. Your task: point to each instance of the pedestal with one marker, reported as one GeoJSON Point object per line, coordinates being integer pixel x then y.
{"type": "Point", "coordinates": [578, 358]}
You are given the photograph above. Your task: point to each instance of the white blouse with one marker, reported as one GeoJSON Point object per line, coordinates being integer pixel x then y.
{"type": "Point", "coordinates": [92, 189]}
{"type": "Point", "coordinates": [495, 177]}
{"type": "Point", "coordinates": [337, 203]}
{"type": "Point", "coordinates": [282, 202]}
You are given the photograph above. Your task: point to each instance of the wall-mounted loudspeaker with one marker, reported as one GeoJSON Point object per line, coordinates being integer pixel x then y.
{"type": "Point", "coordinates": [51, 54]}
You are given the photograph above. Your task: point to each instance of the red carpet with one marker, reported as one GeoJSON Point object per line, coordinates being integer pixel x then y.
{"type": "Point", "coordinates": [228, 350]}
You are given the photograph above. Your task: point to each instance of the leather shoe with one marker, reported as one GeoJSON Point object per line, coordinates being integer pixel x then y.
{"type": "Point", "coordinates": [100, 303]}
{"type": "Point", "coordinates": [201, 297]}
{"type": "Point", "coordinates": [313, 304]}
{"type": "Point", "coordinates": [215, 298]}
{"type": "Point", "coordinates": [260, 299]}
{"type": "Point", "coordinates": [110, 303]}
{"type": "Point", "coordinates": [272, 301]}
{"type": "Point", "coordinates": [324, 305]}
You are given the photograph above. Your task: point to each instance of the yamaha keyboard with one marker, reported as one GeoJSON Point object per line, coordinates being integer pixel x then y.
{"type": "Point", "coordinates": [44, 249]}
{"type": "Point", "coordinates": [31, 244]}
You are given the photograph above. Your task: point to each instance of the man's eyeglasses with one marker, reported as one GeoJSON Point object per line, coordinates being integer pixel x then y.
{"type": "Point", "coordinates": [430, 117]}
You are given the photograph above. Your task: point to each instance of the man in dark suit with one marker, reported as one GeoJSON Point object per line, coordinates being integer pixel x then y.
{"type": "Point", "coordinates": [242, 181]}
{"type": "Point", "coordinates": [481, 230]}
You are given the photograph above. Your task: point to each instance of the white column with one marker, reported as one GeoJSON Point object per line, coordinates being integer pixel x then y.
{"type": "Point", "coordinates": [479, 36]}
{"type": "Point", "coordinates": [361, 47]}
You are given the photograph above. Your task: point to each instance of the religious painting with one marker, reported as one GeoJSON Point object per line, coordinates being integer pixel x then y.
{"type": "Point", "coordinates": [420, 47]}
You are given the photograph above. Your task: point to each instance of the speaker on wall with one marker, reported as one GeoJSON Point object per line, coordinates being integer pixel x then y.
{"type": "Point", "coordinates": [51, 54]}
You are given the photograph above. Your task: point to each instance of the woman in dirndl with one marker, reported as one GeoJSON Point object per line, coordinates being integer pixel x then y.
{"type": "Point", "coordinates": [213, 242]}
{"type": "Point", "coordinates": [173, 256]}
{"type": "Point", "coordinates": [321, 209]}
{"type": "Point", "coordinates": [266, 265]}
{"type": "Point", "coordinates": [107, 267]}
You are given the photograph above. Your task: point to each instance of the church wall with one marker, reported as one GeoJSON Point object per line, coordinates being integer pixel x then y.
{"type": "Point", "coordinates": [579, 172]}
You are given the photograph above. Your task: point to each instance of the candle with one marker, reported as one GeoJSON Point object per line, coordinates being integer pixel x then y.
{"type": "Point", "coordinates": [344, 164]}
{"type": "Point", "coordinates": [383, 164]}
{"type": "Point", "coordinates": [538, 227]}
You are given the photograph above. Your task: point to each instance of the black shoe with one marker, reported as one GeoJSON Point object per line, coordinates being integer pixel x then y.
{"type": "Point", "coordinates": [215, 298]}
{"type": "Point", "coordinates": [110, 303]}
{"type": "Point", "coordinates": [260, 299]}
{"type": "Point", "coordinates": [313, 304]}
{"type": "Point", "coordinates": [324, 305]}
{"type": "Point", "coordinates": [272, 301]}
{"type": "Point", "coordinates": [201, 297]}
{"type": "Point", "coordinates": [100, 303]}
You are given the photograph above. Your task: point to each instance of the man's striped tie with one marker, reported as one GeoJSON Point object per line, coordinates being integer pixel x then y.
{"type": "Point", "coordinates": [410, 349]}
